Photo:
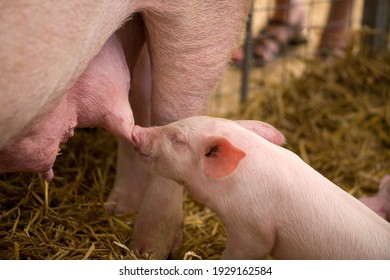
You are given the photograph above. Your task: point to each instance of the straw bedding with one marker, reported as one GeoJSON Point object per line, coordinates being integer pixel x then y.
{"type": "Point", "coordinates": [335, 116]}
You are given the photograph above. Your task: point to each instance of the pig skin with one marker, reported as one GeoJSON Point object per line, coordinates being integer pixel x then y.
{"type": "Point", "coordinates": [99, 98]}
{"type": "Point", "coordinates": [270, 201]}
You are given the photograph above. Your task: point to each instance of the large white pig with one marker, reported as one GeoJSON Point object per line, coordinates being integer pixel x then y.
{"type": "Point", "coordinates": [270, 201]}
{"type": "Point", "coordinates": [71, 63]}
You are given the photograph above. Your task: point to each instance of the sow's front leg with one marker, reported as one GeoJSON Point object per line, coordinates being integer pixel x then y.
{"type": "Point", "coordinates": [190, 44]}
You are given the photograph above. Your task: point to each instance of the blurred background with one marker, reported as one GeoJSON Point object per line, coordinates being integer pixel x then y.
{"type": "Point", "coordinates": [357, 17]}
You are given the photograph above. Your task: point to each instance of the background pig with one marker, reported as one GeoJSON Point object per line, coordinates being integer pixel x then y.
{"type": "Point", "coordinates": [63, 67]}
{"type": "Point", "coordinates": [270, 201]}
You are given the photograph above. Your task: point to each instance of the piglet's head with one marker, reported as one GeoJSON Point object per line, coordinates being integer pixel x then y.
{"type": "Point", "coordinates": [177, 155]}
{"type": "Point", "coordinates": [198, 147]}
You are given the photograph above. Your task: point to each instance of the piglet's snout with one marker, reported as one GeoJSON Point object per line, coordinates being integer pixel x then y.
{"type": "Point", "coordinates": [143, 143]}
{"type": "Point", "coordinates": [147, 137]}
{"type": "Point", "coordinates": [136, 135]}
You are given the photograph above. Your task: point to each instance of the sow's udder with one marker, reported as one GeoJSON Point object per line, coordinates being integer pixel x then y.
{"type": "Point", "coordinates": [99, 98]}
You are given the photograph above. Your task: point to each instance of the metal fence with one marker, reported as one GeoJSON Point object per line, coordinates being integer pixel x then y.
{"type": "Point", "coordinates": [238, 82]}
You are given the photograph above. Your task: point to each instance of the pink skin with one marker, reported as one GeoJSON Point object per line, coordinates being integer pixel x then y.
{"type": "Point", "coordinates": [270, 201]}
{"type": "Point", "coordinates": [99, 98]}
{"type": "Point", "coordinates": [59, 70]}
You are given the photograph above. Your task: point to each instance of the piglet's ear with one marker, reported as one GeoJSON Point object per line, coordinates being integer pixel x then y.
{"type": "Point", "coordinates": [220, 158]}
{"type": "Point", "coordinates": [265, 130]}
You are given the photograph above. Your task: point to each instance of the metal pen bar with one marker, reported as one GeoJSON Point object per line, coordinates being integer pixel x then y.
{"type": "Point", "coordinates": [247, 59]}
{"type": "Point", "coordinates": [376, 15]}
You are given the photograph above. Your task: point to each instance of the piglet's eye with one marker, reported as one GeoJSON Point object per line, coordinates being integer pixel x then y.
{"type": "Point", "coordinates": [179, 142]}
{"type": "Point", "coordinates": [212, 152]}
{"type": "Point", "coordinates": [178, 139]}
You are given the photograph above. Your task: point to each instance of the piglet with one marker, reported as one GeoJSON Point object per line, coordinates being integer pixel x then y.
{"type": "Point", "coordinates": [269, 200]}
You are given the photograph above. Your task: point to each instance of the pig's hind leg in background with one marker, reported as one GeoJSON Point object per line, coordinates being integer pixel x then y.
{"type": "Point", "coordinates": [189, 46]}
